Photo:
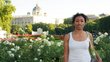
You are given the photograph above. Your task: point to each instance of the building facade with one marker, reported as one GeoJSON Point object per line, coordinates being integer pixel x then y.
{"type": "Point", "coordinates": [37, 16]}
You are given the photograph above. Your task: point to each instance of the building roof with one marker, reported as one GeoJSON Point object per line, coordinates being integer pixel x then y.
{"type": "Point", "coordinates": [36, 8]}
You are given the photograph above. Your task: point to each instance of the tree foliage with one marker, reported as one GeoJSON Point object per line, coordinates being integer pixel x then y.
{"type": "Point", "coordinates": [51, 28]}
{"type": "Point", "coordinates": [28, 28]}
{"type": "Point", "coordinates": [90, 26]}
{"type": "Point", "coordinates": [63, 29]}
{"type": "Point", "coordinates": [103, 24]}
{"type": "Point", "coordinates": [44, 26]}
{"type": "Point", "coordinates": [14, 29]}
{"type": "Point", "coordinates": [67, 21]}
{"type": "Point", "coordinates": [6, 10]}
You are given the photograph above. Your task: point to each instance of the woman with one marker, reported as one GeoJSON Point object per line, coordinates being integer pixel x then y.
{"type": "Point", "coordinates": [78, 42]}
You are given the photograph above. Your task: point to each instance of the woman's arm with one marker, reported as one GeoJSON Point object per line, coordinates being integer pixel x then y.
{"type": "Point", "coordinates": [66, 47]}
{"type": "Point", "coordinates": [93, 48]}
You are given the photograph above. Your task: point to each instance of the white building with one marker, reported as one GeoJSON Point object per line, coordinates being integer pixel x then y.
{"type": "Point", "coordinates": [37, 16]}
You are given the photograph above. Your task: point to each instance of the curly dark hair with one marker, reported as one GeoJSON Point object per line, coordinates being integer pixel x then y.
{"type": "Point", "coordinates": [79, 14]}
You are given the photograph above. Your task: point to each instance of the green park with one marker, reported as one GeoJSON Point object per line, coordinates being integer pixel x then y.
{"type": "Point", "coordinates": [25, 40]}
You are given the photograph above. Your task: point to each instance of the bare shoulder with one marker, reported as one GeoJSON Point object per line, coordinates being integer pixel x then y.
{"type": "Point", "coordinates": [91, 36]}
{"type": "Point", "coordinates": [66, 37]}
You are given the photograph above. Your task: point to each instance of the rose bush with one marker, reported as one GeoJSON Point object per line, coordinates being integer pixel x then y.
{"type": "Point", "coordinates": [42, 49]}
{"type": "Point", "coordinates": [102, 44]}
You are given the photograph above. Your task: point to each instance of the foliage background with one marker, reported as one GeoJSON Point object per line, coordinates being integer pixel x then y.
{"type": "Point", "coordinates": [6, 9]}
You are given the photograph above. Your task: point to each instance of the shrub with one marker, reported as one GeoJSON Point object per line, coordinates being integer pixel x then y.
{"type": "Point", "coordinates": [102, 44]}
{"type": "Point", "coordinates": [42, 49]}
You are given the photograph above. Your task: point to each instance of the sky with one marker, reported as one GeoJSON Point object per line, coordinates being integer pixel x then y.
{"type": "Point", "coordinates": [62, 8]}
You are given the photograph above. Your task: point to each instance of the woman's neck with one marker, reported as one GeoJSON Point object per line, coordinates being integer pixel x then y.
{"type": "Point", "coordinates": [78, 31]}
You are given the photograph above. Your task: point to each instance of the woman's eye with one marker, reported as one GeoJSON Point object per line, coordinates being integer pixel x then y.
{"type": "Point", "coordinates": [82, 21]}
{"type": "Point", "coordinates": [76, 21]}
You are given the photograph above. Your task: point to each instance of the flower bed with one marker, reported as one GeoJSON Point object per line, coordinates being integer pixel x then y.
{"type": "Point", "coordinates": [42, 49]}
{"type": "Point", "coordinates": [102, 44]}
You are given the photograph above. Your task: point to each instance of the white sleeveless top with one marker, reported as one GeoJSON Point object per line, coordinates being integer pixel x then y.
{"type": "Point", "coordinates": [79, 51]}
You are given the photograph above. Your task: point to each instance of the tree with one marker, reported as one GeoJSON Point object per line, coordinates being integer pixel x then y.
{"type": "Point", "coordinates": [44, 26]}
{"type": "Point", "coordinates": [51, 28]}
{"type": "Point", "coordinates": [6, 10]}
{"type": "Point", "coordinates": [63, 29]}
{"type": "Point", "coordinates": [90, 26]}
{"type": "Point", "coordinates": [28, 28]}
{"type": "Point", "coordinates": [14, 29]}
{"type": "Point", "coordinates": [104, 24]}
{"type": "Point", "coordinates": [21, 31]}
{"type": "Point", "coordinates": [68, 21]}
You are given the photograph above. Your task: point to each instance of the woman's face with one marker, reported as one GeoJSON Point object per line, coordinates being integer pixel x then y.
{"type": "Point", "coordinates": [79, 22]}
